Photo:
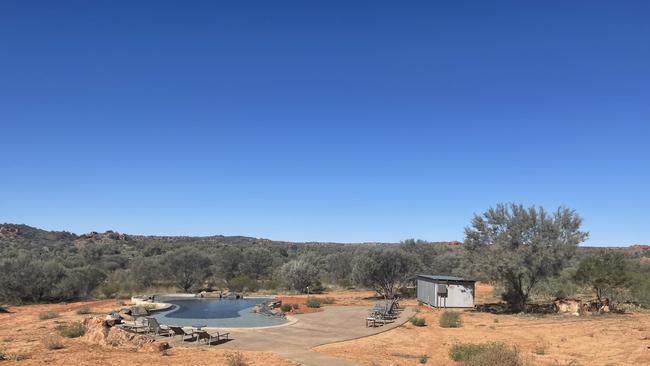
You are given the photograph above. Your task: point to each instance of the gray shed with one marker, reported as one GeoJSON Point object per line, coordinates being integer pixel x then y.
{"type": "Point", "coordinates": [446, 291]}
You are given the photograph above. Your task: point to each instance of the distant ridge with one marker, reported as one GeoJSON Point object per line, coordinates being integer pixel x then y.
{"type": "Point", "coordinates": [21, 234]}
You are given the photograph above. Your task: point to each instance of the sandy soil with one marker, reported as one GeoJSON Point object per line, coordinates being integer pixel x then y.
{"type": "Point", "coordinates": [542, 340]}
{"type": "Point", "coordinates": [22, 332]}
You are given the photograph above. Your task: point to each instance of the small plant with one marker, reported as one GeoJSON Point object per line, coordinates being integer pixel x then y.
{"type": "Point", "coordinates": [450, 319]}
{"type": "Point", "coordinates": [423, 359]}
{"type": "Point", "coordinates": [166, 352]}
{"type": "Point", "coordinates": [3, 309]}
{"type": "Point", "coordinates": [295, 306]}
{"type": "Point", "coordinates": [48, 315]}
{"type": "Point", "coordinates": [540, 349]}
{"type": "Point", "coordinates": [84, 311]}
{"type": "Point", "coordinates": [236, 359]}
{"type": "Point", "coordinates": [313, 303]}
{"type": "Point", "coordinates": [71, 330]}
{"type": "Point", "coordinates": [52, 342]}
{"type": "Point", "coordinates": [12, 356]}
{"type": "Point", "coordinates": [286, 307]}
{"type": "Point", "coordinates": [485, 354]}
{"type": "Point", "coordinates": [418, 322]}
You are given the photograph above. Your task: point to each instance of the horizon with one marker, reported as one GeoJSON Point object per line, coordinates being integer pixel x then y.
{"type": "Point", "coordinates": [584, 244]}
{"type": "Point", "coordinates": [323, 122]}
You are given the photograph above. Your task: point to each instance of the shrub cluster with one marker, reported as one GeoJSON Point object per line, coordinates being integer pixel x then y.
{"type": "Point", "coordinates": [485, 354]}
{"type": "Point", "coordinates": [286, 307]}
{"type": "Point", "coordinates": [71, 330]}
{"type": "Point", "coordinates": [52, 342]}
{"type": "Point", "coordinates": [48, 315]}
{"type": "Point", "coordinates": [450, 319]}
{"type": "Point", "coordinates": [236, 358]}
{"type": "Point", "coordinates": [85, 311]}
{"type": "Point", "coordinates": [313, 303]}
{"type": "Point", "coordinates": [418, 322]}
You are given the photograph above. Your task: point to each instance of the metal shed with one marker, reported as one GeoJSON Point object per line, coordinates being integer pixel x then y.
{"type": "Point", "coordinates": [445, 291]}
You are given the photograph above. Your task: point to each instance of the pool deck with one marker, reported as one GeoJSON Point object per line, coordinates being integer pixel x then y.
{"type": "Point", "coordinates": [295, 341]}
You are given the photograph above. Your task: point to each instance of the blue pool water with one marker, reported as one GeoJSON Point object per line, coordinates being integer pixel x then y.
{"type": "Point", "coordinates": [224, 313]}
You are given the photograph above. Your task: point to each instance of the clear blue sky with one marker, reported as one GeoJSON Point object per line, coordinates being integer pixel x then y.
{"type": "Point", "coordinates": [323, 120]}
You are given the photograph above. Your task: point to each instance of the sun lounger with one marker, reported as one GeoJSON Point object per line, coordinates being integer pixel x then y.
{"type": "Point", "coordinates": [155, 328]}
{"type": "Point", "coordinates": [181, 332]}
{"type": "Point", "coordinates": [135, 326]}
{"type": "Point", "coordinates": [208, 337]}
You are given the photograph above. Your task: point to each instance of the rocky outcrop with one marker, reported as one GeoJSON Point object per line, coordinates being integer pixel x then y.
{"type": "Point", "coordinates": [100, 332]}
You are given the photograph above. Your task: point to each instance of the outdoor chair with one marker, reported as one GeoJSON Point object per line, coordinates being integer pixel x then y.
{"type": "Point", "coordinates": [208, 337]}
{"type": "Point", "coordinates": [154, 327]}
{"type": "Point", "coordinates": [181, 332]}
{"type": "Point", "coordinates": [136, 326]}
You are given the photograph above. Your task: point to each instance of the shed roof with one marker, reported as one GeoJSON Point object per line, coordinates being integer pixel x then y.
{"type": "Point", "coordinates": [445, 278]}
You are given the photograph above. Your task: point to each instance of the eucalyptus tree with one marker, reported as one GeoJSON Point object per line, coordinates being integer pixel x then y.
{"type": "Point", "coordinates": [384, 270]}
{"type": "Point", "coordinates": [521, 246]}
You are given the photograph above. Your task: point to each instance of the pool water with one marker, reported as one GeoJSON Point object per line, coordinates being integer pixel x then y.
{"type": "Point", "coordinates": [227, 313]}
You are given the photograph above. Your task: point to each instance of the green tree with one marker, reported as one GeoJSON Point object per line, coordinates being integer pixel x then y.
{"type": "Point", "coordinates": [385, 270]}
{"type": "Point", "coordinates": [187, 267]}
{"type": "Point", "coordinates": [605, 272]}
{"type": "Point", "coordinates": [299, 274]}
{"type": "Point", "coordinates": [521, 246]}
{"type": "Point", "coordinates": [256, 262]}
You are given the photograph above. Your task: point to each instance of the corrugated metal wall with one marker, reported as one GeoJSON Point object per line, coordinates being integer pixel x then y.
{"type": "Point", "coordinates": [460, 295]}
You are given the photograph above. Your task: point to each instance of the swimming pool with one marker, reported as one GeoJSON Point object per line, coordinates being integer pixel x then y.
{"type": "Point", "coordinates": [223, 313]}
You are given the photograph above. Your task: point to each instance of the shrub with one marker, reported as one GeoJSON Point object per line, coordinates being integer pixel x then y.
{"type": "Point", "coordinates": [295, 306]}
{"type": "Point", "coordinates": [3, 309]}
{"type": "Point", "coordinates": [450, 319]}
{"type": "Point", "coordinates": [48, 315]}
{"type": "Point", "coordinates": [423, 359]}
{"type": "Point", "coordinates": [300, 275]}
{"type": "Point", "coordinates": [71, 330]}
{"type": "Point", "coordinates": [236, 359]}
{"type": "Point", "coordinates": [418, 322]}
{"type": "Point", "coordinates": [286, 307]}
{"type": "Point", "coordinates": [12, 356]}
{"type": "Point", "coordinates": [313, 303]}
{"type": "Point", "coordinates": [52, 342]}
{"type": "Point", "coordinates": [84, 311]}
{"type": "Point", "coordinates": [486, 354]}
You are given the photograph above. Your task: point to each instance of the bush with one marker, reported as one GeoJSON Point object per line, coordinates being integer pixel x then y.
{"type": "Point", "coordinates": [299, 275]}
{"type": "Point", "coordinates": [295, 306]}
{"type": "Point", "coordinates": [450, 319]}
{"type": "Point", "coordinates": [52, 342]}
{"type": "Point", "coordinates": [84, 311]}
{"type": "Point", "coordinates": [12, 356]}
{"type": "Point", "coordinates": [486, 354]}
{"type": "Point", "coordinates": [71, 330]}
{"type": "Point", "coordinates": [286, 307]}
{"type": "Point", "coordinates": [236, 359]}
{"type": "Point", "coordinates": [48, 315]}
{"type": "Point", "coordinates": [313, 303]}
{"type": "Point", "coordinates": [3, 309]}
{"type": "Point", "coordinates": [418, 322]}
{"type": "Point", "coordinates": [423, 359]}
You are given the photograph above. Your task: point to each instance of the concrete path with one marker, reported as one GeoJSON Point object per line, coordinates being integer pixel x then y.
{"type": "Point", "coordinates": [294, 342]}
